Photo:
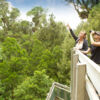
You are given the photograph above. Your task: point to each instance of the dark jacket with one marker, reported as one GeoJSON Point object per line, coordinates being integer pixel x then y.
{"type": "Point", "coordinates": [95, 54]}
{"type": "Point", "coordinates": [85, 42]}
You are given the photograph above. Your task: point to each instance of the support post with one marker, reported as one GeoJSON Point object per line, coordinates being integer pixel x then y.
{"type": "Point", "coordinates": [74, 61]}
{"type": "Point", "coordinates": [80, 82]}
{"type": "Point", "coordinates": [71, 89]}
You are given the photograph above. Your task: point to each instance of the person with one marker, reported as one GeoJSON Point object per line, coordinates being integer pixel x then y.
{"type": "Point", "coordinates": [81, 42]}
{"type": "Point", "coordinates": [94, 47]}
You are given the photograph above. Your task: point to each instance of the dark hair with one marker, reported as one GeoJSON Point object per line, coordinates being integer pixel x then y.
{"type": "Point", "coordinates": [85, 33]}
{"type": "Point", "coordinates": [90, 31]}
{"type": "Point", "coordinates": [97, 32]}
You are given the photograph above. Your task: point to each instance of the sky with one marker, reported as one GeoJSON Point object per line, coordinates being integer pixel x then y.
{"type": "Point", "coordinates": [62, 11]}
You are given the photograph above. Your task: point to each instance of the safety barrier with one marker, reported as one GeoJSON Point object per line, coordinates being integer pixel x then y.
{"type": "Point", "coordinates": [85, 77]}
{"type": "Point", "coordinates": [58, 92]}
{"type": "Point", "coordinates": [85, 80]}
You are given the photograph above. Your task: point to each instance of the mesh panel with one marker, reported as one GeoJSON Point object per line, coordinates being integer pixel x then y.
{"type": "Point", "coordinates": [59, 94]}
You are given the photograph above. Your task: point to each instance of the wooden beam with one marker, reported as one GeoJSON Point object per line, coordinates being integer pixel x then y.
{"type": "Point", "coordinates": [93, 70]}
{"type": "Point", "coordinates": [80, 82]}
{"type": "Point", "coordinates": [91, 91]}
{"type": "Point", "coordinates": [72, 53]}
{"type": "Point", "coordinates": [75, 61]}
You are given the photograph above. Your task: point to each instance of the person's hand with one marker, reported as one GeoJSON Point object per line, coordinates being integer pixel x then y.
{"type": "Point", "coordinates": [84, 52]}
{"type": "Point", "coordinates": [92, 32]}
{"type": "Point", "coordinates": [68, 26]}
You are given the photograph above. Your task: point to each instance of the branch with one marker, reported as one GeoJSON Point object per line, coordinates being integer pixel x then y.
{"type": "Point", "coordinates": [75, 6]}
{"type": "Point", "coordinates": [86, 7]}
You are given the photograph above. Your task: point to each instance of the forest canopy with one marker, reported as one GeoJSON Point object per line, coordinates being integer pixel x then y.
{"type": "Point", "coordinates": [35, 54]}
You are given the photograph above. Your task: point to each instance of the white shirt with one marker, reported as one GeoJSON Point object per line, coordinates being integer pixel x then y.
{"type": "Point", "coordinates": [79, 45]}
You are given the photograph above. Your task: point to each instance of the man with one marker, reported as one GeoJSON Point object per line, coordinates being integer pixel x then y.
{"type": "Point", "coordinates": [95, 46]}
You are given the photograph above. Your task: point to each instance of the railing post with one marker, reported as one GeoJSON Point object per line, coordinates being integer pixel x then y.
{"type": "Point", "coordinates": [86, 94]}
{"type": "Point", "coordinates": [80, 82]}
{"type": "Point", "coordinates": [74, 61]}
{"type": "Point", "coordinates": [72, 53]}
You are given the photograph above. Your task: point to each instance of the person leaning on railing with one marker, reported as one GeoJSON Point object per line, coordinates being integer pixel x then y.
{"type": "Point", "coordinates": [95, 46]}
{"type": "Point", "coordinates": [81, 42]}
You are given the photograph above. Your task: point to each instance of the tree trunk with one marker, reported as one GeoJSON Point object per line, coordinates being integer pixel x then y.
{"type": "Point", "coordinates": [12, 96]}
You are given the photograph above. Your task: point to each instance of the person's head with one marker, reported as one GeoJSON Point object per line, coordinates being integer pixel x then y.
{"type": "Point", "coordinates": [82, 35]}
{"type": "Point", "coordinates": [96, 36]}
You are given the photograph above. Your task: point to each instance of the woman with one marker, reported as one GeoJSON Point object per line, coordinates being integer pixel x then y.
{"type": "Point", "coordinates": [95, 47]}
{"type": "Point", "coordinates": [81, 42]}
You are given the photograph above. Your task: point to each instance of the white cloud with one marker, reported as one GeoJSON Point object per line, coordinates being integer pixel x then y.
{"type": "Point", "coordinates": [10, 6]}
{"type": "Point", "coordinates": [65, 14]}
{"type": "Point", "coordinates": [23, 16]}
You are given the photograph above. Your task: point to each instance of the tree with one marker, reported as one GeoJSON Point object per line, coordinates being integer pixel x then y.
{"type": "Point", "coordinates": [94, 18]}
{"type": "Point", "coordinates": [53, 34]}
{"type": "Point", "coordinates": [12, 69]}
{"type": "Point", "coordinates": [26, 27]}
{"type": "Point", "coordinates": [35, 56]}
{"type": "Point", "coordinates": [48, 63]}
{"type": "Point", "coordinates": [35, 87]}
{"type": "Point", "coordinates": [39, 17]}
{"type": "Point", "coordinates": [83, 7]}
{"type": "Point", "coordinates": [14, 13]}
{"type": "Point", "coordinates": [3, 13]}
{"type": "Point", "coordinates": [7, 17]}
{"type": "Point", "coordinates": [64, 63]}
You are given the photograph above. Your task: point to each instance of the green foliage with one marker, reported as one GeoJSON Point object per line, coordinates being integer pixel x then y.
{"type": "Point", "coordinates": [84, 5]}
{"type": "Point", "coordinates": [13, 66]}
{"type": "Point", "coordinates": [26, 53]}
{"type": "Point", "coordinates": [7, 16]}
{"type": "Point", "coordinates": [64, 63]}
{"type": "Point", "coordinates": [12, 48]}
{"type": "Point", "coordinates": [14, 13]}
{"type": "Point", "coordinates": [39, 17]}
{"type": "Point", "coordinates": [35, 56]}
{"type": "Point", "coordinates": [48, 62]}
{"type": "Point", "coordinates": [34, 87]}
{"type": "Point", "coordinates": [35, 11]}
{"type": "Point", "coordinates": [94, 18]}
{"type": "Point", "coordinates": [53, 34]}
{"type": "Point", "coordinates": [92, 23]}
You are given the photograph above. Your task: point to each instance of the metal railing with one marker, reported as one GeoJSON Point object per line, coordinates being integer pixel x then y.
{"type": "Point", "coordinates": [58, 92]}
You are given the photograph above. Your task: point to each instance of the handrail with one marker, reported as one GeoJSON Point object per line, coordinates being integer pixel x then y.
{"type": "Point", "coordinates": [93, 70]}
{"type": "Point", "coordinates": [92, 80]}
{"type": "Point", "coordinates": [50, 92]}
{"type": "Point", "coordinates": [85, 80]}
{"type": "Point", "coordinates": [59, 86]}
{"type": "Point", "coordinates": [91, 91]}
{"type": "Point", "coordinates": [83, 58]}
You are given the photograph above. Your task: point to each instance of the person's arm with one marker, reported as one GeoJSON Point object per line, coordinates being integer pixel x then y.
{"type": "Point", "coordinates": [86, 52]}
{"type": "Point", "coordinates": [72, 33]}
{"type": "Point", "coordinates": [93, 42]}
